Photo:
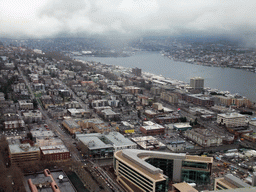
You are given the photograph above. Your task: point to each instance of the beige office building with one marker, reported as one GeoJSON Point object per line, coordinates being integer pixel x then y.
{"type": "Point", "coordinates": [150, 171]}
{"type": "Point", "coordinates": [232, 120]}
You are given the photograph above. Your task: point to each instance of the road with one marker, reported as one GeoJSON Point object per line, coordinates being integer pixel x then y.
{"type": "Point", "coordinates": [107, 178]}
{"type": "Point", "coordinates": [66, 138]}
{"type": "Point", "coordinates": [82, 104]}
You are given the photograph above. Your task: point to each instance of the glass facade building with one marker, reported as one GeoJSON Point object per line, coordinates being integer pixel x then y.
{"type": "Point", "coordinates": [149, 171]}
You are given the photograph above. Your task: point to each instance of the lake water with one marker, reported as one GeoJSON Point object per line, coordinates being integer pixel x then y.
{"type": "Point", "coordinates": [225, 79]}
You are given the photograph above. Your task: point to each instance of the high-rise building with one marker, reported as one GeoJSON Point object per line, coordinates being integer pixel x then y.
{"type": "Point", "coordinates": [150, 171]}
{"type": "Point", "coordinates": [197, 83]}
{"type": "Point", "coordinates": [136, 71]}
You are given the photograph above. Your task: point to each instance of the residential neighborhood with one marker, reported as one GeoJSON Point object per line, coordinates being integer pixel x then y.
{"type": "Point", "coordinates": [72, 115]}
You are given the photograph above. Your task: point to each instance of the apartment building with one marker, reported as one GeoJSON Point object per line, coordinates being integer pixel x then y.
{"type": "Point", "coordinates": [24, 104]}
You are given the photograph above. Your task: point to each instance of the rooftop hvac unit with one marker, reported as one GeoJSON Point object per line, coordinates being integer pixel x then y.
{"type": "Point", "coordinates": [61, 178]}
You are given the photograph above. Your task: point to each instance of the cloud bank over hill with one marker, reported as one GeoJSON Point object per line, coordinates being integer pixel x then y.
{"type": "Point", "coordinates": [125, 18]}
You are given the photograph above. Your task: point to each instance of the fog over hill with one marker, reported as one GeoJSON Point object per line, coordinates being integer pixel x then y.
{"type": "Point", "coordinates": [126, 18]}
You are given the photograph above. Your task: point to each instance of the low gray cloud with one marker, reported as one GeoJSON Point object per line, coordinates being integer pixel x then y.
{"type": "Point", "coordinates": [125, 18]}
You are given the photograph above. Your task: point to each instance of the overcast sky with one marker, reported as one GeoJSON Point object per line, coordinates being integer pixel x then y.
{"type": "Point", "coordinates": [51, 18]}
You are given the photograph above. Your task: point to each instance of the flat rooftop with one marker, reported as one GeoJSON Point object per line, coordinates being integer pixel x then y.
{"type": "Point", "coordinates": [64, 186]}
{"type": "Point", "coordinates": [231, 115]}
{"type": "Point", "coordinates": [199, 159]}
{"type": "Point", "coordinates": [117, 139]}
{"type": "Point", "coordinates": [136, 158]}
{"type": "Point", "coordinates": [93, 142]}
{"type": "Point", "coordinates": [247, 189]}
{"type": "Point", "coordinates": [41, 133]}
{"type": "Point", "coordinates": [71, 123]}
{"type": "Point", "coordinates": [22, 148]}
{"type": "Point", "coordinates": [54, 149]}
{"type": "Point", "coordinates": [150, 112]}
{"type": "Point", "coordinates": [156, 176]}
{"type": "Point", "coordinates": [109, 112]}
{"type": "Point", "coordinates": [152, 127]}
{"type": "Point", "coordinates": [182, 125]}
{"type": "Point", "coordinates": [184, 187]}
{"type": "Point", "coordinates": [95, 121]}
{"type": "Point", "coordinates": [73, 110]}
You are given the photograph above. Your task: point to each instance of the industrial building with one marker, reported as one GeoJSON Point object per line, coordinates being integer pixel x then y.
{"type": "Point", "coordinates": [140, 170]}
{"type": "Point", "coordinates": [232, 120]}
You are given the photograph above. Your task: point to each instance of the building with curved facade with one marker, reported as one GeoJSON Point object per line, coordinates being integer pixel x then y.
{"type": "Point", "coordinates": [150, 171]}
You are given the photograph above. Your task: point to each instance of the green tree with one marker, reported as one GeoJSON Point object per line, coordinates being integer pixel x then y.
{"type": "Point", "coordinates": [35, 103]}
{"type": "Point", "coordinates": [183, 119]}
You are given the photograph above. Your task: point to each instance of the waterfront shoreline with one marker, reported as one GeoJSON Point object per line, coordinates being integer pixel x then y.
{"type": "Point", "coordinates": [231, 79]}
